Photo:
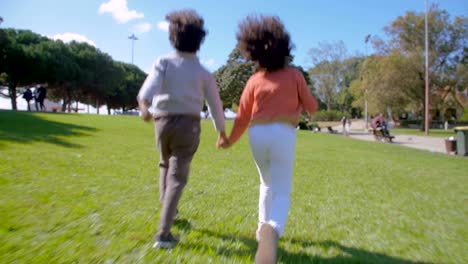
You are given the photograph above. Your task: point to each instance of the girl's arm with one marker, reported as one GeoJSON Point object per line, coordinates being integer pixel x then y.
{"type": "Point", "coordinates": [309, 103]}
{"type": "Point", "coordinates": [244, 114]}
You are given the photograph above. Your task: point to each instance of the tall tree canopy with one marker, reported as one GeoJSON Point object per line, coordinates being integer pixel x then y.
{"type": "Point", "coordinates": [395, 76]}
{"type": "Point", "coordinates": [72, 72]}
{"type": "Point", "coordinates": [328, 71]}
{"type": "Point", "coordinates": [21, 62]}
{"type": "Point", "coordinates": [232, 77]}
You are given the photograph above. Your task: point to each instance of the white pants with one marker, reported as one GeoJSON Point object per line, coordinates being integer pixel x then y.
{"type": "Point", "coordinates": [273, 147]}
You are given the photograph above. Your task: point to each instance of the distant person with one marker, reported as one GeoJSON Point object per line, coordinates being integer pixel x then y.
{"type": "Point", "coordinates": [175, 88]}
{"type": "Point", "coordinates": [378, 122]}
{"type": "Point", "coordinates": [348, 127]}
{"type": "Point", "coordinates": [270, 107]}
{"type": "Point", "coordinates": [28, 96]}
{"type": "Point", "coordinates": [40, 95]}
{"type": "Point", "coordinates": [344, 121]}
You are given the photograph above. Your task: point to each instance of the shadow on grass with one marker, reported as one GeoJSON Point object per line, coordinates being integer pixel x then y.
{"type": "Point", "coordinates": [347, 254]}
{"type": "Point", "coordinates": [183, 224]}
{"type": "Point", "coordinates": [25, 127]}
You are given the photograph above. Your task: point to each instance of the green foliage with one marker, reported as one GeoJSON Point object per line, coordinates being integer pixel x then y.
{"type": "Point", "coordinates": [72, 72]}
{"type": "Point", "coordinates": [439, 133]}
{"type": "Point", "coordinates": [75, 189]}
{"type": "Point", "coordinates": [395, 76]}
{"type": "Point", "coordinates": [464, 117]}
{"type": "Point", "coordinates": [232, 77]}
{"type": "Point", "coordinates": [307, 125]}
{"type": "Point", "coordinates": [123, 94]}
{"type": "Point", "coordinates": [434, 124]}
{"type": "Point", "coordinates": [21, 62]}
{"type": "Point", "coordinates": [327, 72]}
{"type": "Point", "coordinates": [332, 115]}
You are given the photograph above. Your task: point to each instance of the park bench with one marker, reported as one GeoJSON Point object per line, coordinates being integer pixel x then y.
{"type": "Point", "coordinates": [380, 136]}
{"type": "Point", "coordinates": [331, 130]}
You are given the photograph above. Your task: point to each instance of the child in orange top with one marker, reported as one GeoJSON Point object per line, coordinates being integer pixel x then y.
{"type": "Point", "coordinates": [271, 104]}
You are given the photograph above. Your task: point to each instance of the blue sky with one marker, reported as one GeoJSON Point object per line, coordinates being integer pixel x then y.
{"type": "Point", "coordinates": [108, 23]}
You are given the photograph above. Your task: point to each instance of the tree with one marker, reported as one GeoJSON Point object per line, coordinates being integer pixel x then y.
{"type": "Point", "coordinates": [400, 62]}
{"type": "Point", "coordinates": [97, 73]}
{"type": "Point", "coordinates": [21, 63]}
{"type": "Point", "coordinates": [72, 72]}
{"type": "Point", "coordinates": [62, 71]}
{"type": "Point", "coordinates": [232, 77]}
{"type": "Point", "coordinates": [123, 95]}
{"type": "Point", "coordinates": [462, 71]}
{"type": "Point", "coordinates": [352, 69]}
{"type": "Point", "coordinates": [379, 77]}
{"type": "Point", "coordinates": [328, 71]}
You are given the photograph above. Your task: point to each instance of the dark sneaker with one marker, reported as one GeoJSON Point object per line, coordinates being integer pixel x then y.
{"type": "Point", "coordinates": [165, 241]}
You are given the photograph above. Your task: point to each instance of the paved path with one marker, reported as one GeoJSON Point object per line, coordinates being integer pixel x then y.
{"type": "Point", "coordinates": [432, 144]}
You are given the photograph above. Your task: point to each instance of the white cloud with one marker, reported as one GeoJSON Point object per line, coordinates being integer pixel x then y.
{"type": "Point", "coordinates": [163, 25]}
{"type": "Point", "coordinates": [142, 28]}
{"type": "Point", "coordinates": [209, 63]}
{"type": "Point", "coordinates": [119, 11]}
{"type": "Point", "coordinates": [68, 37]}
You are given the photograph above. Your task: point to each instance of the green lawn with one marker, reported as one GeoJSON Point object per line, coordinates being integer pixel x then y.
{"type": "Point", "coordinates": [83, 189]}
{"type": "Point", "coordinates": [417, 132]}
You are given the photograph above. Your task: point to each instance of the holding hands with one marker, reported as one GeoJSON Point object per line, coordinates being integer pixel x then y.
{"type": "Point", "coordinates": [223, 141]}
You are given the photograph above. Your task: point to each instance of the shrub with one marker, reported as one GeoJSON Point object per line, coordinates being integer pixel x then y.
{"type": "Point", "coordinates": [433, 124]}
{"type": "Point", "coordinates": [304, 124]}
{"type": "Point", "coordinates": [331, 115]}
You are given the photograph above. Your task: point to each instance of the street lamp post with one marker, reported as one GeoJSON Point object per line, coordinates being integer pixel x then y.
{"type": "Point", "coordinates": [133, 38]}
{"type": "Point", "coordinates": [426, 110]}
{"type": "Point", "coordinates": [365, 93]}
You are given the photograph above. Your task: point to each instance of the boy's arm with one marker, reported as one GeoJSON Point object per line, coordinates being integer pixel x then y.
{"type": "Point", "coordinates": [144, 105]}
{"type": "Point", "coordinates": [215, 106]}
{"type": "Point", "coordinates": [150, 88]}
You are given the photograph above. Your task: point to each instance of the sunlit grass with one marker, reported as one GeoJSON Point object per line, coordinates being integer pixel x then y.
{"type": "Point", "coordinates": [83, 189]}
{"type": "Point", "coordinates": [417, 132]}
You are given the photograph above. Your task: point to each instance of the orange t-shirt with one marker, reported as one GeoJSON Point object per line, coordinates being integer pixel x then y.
{"type": "Point", "coordinates": [268, 97]}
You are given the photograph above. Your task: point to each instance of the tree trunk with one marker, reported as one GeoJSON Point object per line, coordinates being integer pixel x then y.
{"type": "Point", "coordinates": [64, 104]}
{"type": "Point", "coordinates": [97, 106]}
{"type": "Point", "coordinates": [66, 100]}
{"type": "Point", "coordinates": [12, 94]}
{"type": "Point", "coordinates": [422, 77]}
{"type": "Point", "coordinates": [108, 110]}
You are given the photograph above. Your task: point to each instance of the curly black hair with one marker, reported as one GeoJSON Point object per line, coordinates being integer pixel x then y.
{"type": "Point", "coordinates": [264, 40]}
{"type": "Point", "coordinates": [186, 31]}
